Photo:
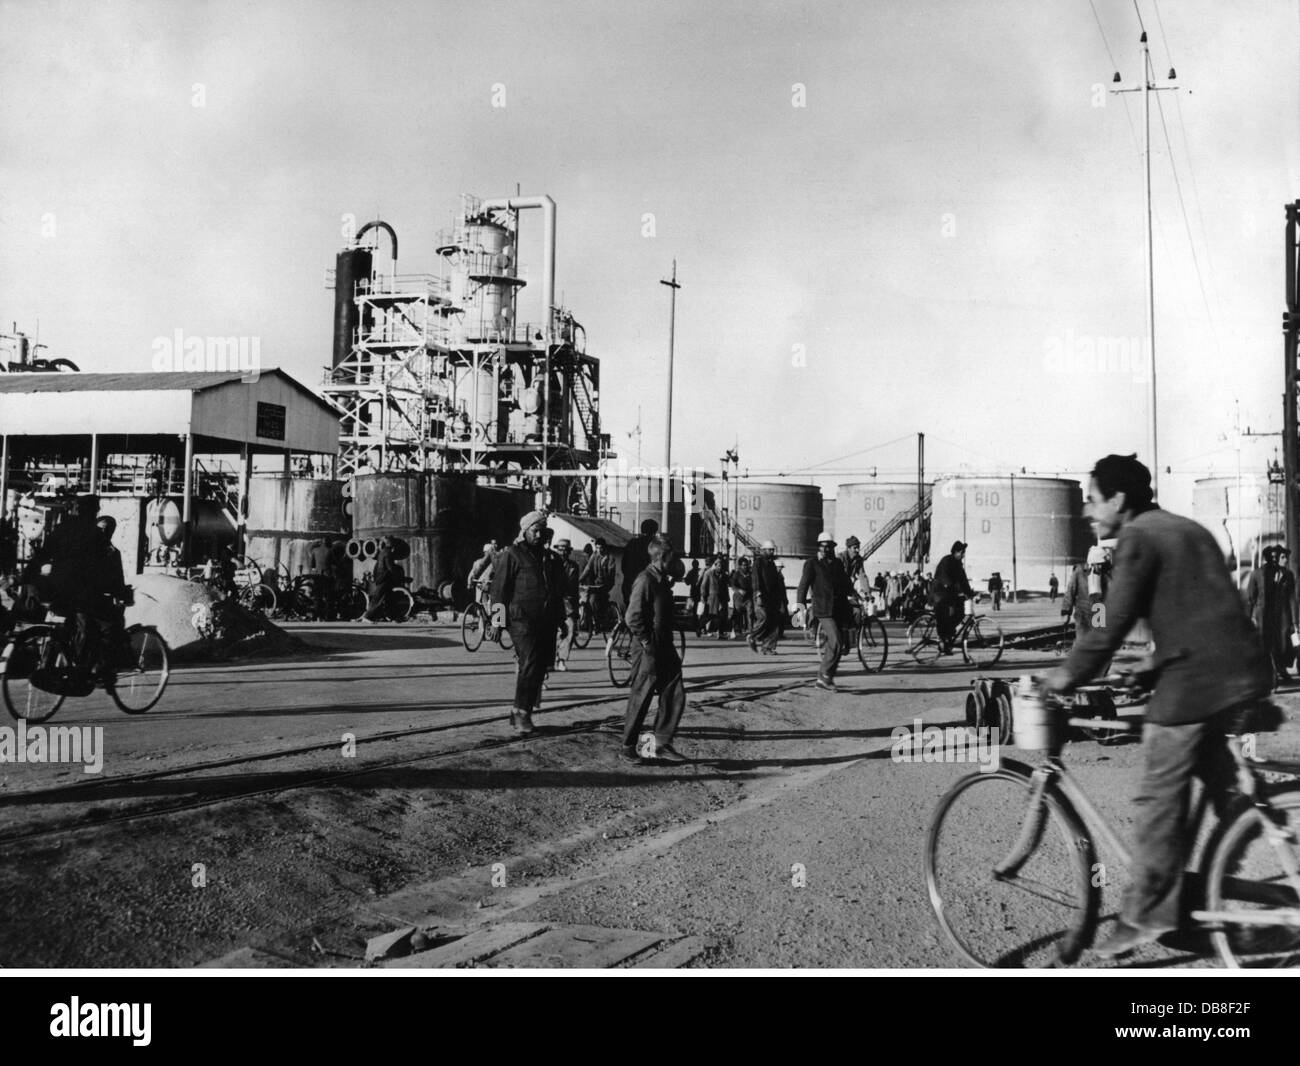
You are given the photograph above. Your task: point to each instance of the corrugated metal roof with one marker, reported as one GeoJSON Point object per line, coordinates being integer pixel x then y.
{"type": "Point", "coordinates": [194, 381]}
{"type": "Point", "coordinates": [149, 381]}
{"type": "Point", "coordinates": [615, 535]}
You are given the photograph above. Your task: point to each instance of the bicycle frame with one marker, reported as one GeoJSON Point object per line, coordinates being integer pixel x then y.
{"type": "Point", "coordinates": [1053, 773]}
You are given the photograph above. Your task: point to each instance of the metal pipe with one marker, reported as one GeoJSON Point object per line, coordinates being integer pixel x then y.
{"type": "Point", "coordinates": [187, 490]}
{"type": "Point", "coordinates": [4, 474]}
{"type": "Point", "coordinates": [94, 462]}
{"type": "Point", "coordinates": [378, 224]}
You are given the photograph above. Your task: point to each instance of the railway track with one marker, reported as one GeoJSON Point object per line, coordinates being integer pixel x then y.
{"type": "Point", "coordinates": [194, 771]}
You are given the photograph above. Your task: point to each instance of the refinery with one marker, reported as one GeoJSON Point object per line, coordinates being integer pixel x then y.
{"type": "Point", "coordinates": [608, 573]}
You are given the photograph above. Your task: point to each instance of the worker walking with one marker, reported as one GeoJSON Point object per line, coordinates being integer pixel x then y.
{"type": "Point", "coordinates": [995, 590]}
{"type": "Point", "coordinates": [635, 558]}
{"type": "Point", "coordinates": [656, 667]}
{"type": "Point", "coordinates": [1270, 594]}
{"type": "Point", "coordinates": [563, 551]}
{"type": "Point", "coordinates": [715, 595]}
{"type": "Point", "coordinates": [769, 601]}
{"type": "Point", "coordinates": [832, 594]}
{"type": "Point", "coordinates": [742, 587]}
{"type": "Point", "coordinates": [528, 597]}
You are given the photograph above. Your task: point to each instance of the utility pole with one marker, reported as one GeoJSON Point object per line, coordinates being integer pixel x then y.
{"type": "Point", "coordinates": [636, 522]}
{"type": "Point", "coordinates": [1146, 89]}
{"type": "Point", "coordinates": [1291, 352]}
{"type": "Point", "coordinates": [920, 503]}
{"type": "Point", "coordinates": [668, 432]}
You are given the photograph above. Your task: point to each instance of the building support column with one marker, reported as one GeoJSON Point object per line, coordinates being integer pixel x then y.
{"type": "Point", "coordinates": [187, 493]}
{"type": "Point", "coordinates": [94, 462]}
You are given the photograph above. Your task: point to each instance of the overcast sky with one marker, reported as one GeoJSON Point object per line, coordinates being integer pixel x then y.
{"type": "Point", "coordinates": [944, 224]}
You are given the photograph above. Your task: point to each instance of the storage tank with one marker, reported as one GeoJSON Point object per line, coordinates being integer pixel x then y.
{"type": "Point", "coordinates": [1049, 529]}
{"type": "Point", "coordinates": [790, 515]}
{"type": "Point", "coordinates": [864, 508]}
{"type": "Point", "coordinates": [828, 516]}
{"type": "Point", "coordinates": [351, 265]}
{"type": "Point", "coordinates": [287, 515]}
{"type": "Point", "coordinates": [1249, 513]}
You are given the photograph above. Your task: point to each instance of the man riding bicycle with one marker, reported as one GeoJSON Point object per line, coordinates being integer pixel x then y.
{"type": "Point", "coordinates": [597, 581]}
{"type": "Point", "coordinates": [79, 573]}
{"type": "Point", "coordinates": [947, 593]}
{"type": "Point", "coordinates": [1170, 571]}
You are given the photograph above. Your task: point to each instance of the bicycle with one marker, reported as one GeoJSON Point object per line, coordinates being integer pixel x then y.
{"type": "Point", "coordinates": [980, 638]}
{"type": "Point", "coordinates": [591, 620]}
{"type": "Point", "coordinates": [475, 623]}
{"type": "Point", "coordinates": [38, 669]}
{"type": "Point", "coordinates": [1020, 889]}
{"type": "Point", "coordinates": [618, 653]}
{"type": "Point", "coordinates": [866, 633]}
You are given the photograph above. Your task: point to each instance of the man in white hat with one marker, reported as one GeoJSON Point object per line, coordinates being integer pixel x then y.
{"type": "Point", "coordinates": [528, 596]}
{"type": "Point", "coordinates": [832, 594]}
{"type": "Point", "coordinates": [769, 601]}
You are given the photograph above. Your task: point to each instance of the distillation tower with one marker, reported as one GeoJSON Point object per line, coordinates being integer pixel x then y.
{"type": "Point", "coordinates": [435, 373]}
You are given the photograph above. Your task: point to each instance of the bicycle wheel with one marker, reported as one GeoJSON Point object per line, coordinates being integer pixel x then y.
{"type": "Point", "coordinates": [982, 645]}
{"type": "Point", "coordinates": [873, 645]}
{"type": "Point", "coordinates": [923, 639]}
{"type": "Point", "coordinates": [1010, 885]}
{"type": "Point", "coordinates": [352, 603]}
{"type": "Point", "coordinates": [143, 667]}
{"type": "Point", "coordinates": [25, 662]}
{"type": "Point", "coordinates": [1247, 873]}
{"type": "Point", "coordinates": [262, 598]}
{"type": "Point", "coordinates": [618, 657]}
{"type": "Point", "coordinates": [582, 633]}
{"type": "Point", "coordinates": [399, 605]}
{"type": "Point", "coordinates": [504, 638]}
{"type": "Point", "coordinates": [472, 623]}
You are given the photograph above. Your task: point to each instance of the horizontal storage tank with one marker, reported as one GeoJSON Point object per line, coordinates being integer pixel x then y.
{"type": "Point", "coordinates": [864, 509]}
{"type": "Point", "coordinates": [1247, 512]}
{"type": "Point", "coordinates": [286, 516]}
{"type": "Point", "coordinates": [1049, 530]}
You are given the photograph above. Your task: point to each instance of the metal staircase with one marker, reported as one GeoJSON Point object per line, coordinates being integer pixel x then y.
{"type": "Point", "coordinates": [918, 513]}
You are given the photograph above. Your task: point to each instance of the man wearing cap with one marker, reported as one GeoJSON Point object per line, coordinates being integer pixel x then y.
{"type": "Point", "coordinates": [656, 667]}
{"type": "Point", "coordinates": [528, 596]}
{"type": "Point", "coordinates": [832, 594]}
{"type": "Point", "coordinates": [769, 601]}
{"type": "Point", "coordinates": [947, 591]}
{"type": "Point", "coordinates": [1270, 594]}
{"type": "Point", "coordinates": [563, 550]}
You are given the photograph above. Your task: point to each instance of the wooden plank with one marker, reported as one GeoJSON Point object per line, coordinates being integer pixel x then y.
{"type": "Point", "coordinates": [470, 948]}
{"type": "Point", "coordinates": [673, 955]}
{"type": "Point", "coordinates": [588, 947]}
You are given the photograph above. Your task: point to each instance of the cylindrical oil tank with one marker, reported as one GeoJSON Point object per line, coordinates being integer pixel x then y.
{"type": "Point", "coordinates": [864, 509]}
{"type": "Point", "coordinates": [488, 257]}
{"type": "Point", "coordinates": [1038, 520]}
{"type": "Point", "coordinates": [828, 516]}
{"type": "Point", "coordinates": [351, 265]}
{"type": "Point", "coordinates": [789, 515]}
{"type": "Point", "coordinates": [286, 516]}
{"type": "Point", "coordinates": [1245, 514]}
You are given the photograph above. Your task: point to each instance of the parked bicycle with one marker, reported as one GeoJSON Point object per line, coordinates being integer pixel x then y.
{"type": "Point", "coordinates": [39, 668]}
{"type": "Point", "coordinates": [1011, 865]}
{"type": "Point", "coordinates": [979, 638]}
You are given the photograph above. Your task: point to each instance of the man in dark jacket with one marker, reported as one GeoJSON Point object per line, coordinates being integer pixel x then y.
{"type": "Point", "coordinates": [73, 572]}
{"type": "Point", "coordinates": [656, 667]}
{"type": "Point", "coordinates": [769, 601]}
{"type": "Point", "coordinates": [597, 580]}
{"type": "Point", "coordinates": [1269, 597]}
{"type": "Point", "coordinates": [636, 557]}
{"type": "Point", "coordinates": [947, 591]}
{"type": "Point", "coordinates": [529, 597]}
{"type": "Point", "coordinates": [851, 559]}
{"type": "Point", "coordinates": [742, 594]}
{"type": "Point", "coordinates": [563, 551]}
{"type": "Point", "coordinates": [832, 607]}
{"type": "Point", "coordinates": [715, 593]}
{"type": "Point", "coordinates": [1169, 570]}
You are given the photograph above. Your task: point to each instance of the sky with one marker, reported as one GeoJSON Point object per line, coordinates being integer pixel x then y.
{"type": "Point", "coordinates": [887, 217]}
